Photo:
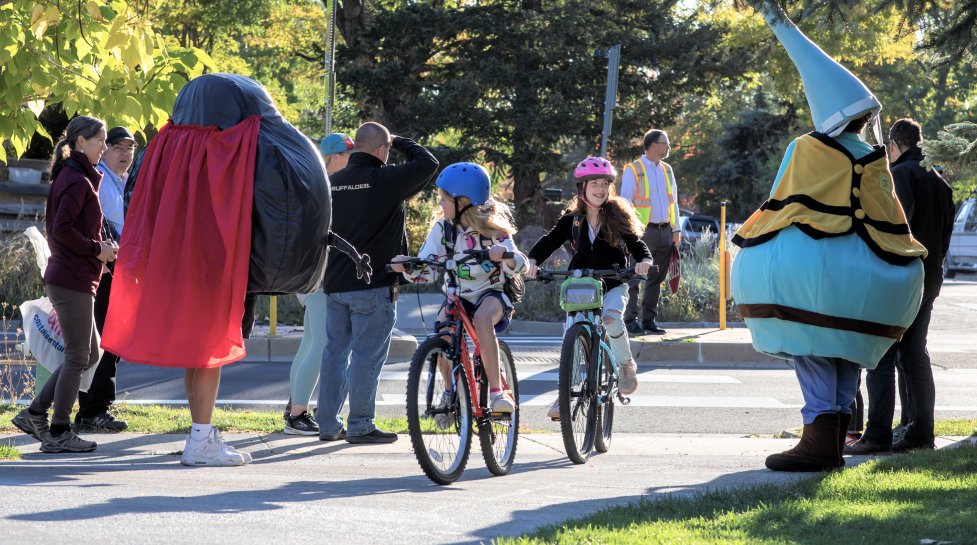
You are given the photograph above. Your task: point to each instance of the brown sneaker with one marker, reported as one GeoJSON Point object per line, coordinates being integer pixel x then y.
{"type": "Point", "coordinates": [628, 382]}
{"type": "Point", "coordinates": [864, 447]}
{"type": "Point", "coordinates": [554, 412]}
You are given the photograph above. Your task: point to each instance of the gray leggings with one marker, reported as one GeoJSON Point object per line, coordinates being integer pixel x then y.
{"type": "Point", "coordinates": [76, 318]}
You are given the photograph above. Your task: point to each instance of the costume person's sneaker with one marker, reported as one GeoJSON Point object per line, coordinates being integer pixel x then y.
{"type": "Point", "coordinates": [66, 442]}
{"type": "Point", "coordinates": [501, 402]}
{"type": "Point", "coordinates": [628, 382]}
{"type": "Point", "coordinates": [34, 425]}
{"type": "Point", "coordinates": [302, 424]}
{"type": "Point", "coordinates": [212, 451]}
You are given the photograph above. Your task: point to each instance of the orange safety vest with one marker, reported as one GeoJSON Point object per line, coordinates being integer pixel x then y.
{"type": "Point", "coordinates": [642, 202]}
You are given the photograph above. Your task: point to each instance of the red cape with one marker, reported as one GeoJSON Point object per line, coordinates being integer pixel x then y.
{"type": "Point", "coordinates": [182, 272]}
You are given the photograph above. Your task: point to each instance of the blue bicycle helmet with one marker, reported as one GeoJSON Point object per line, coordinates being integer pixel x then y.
{"type": "Point", "coordinates": [468, 180]}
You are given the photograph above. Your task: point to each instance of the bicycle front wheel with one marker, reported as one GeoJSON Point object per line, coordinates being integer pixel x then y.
{"type": "Point", "coordinates": [499, 435]}
{"type": "Point", "coordinates": [577, 408]}
{"type": "Point", "coordinates": [605, 411]}
{"type": "Point", "coordinates": [439, 417]}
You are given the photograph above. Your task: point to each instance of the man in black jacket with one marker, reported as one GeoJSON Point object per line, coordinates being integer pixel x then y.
{"type": "Point", "coordinates": [927, 201]}
{"type": "Point", "coordinates": [369, 211]}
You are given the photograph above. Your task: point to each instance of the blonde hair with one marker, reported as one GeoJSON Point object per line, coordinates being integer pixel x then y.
{"type": "Point", "coordinates": [616, 216]}
{"type": "Point", "coordinates": [490, 219]}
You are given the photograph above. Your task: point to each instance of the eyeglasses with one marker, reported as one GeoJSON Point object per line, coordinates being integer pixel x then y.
{"type": "Point", "coordinates": [666, 144]}
{"type": "Point", "coordinates": [125, 149]}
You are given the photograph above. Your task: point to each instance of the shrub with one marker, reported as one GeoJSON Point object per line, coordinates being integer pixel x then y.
{"type": "Point", "coordinates": [20, 279]}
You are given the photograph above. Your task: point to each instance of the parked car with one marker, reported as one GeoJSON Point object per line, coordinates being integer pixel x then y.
{"type": "Point", "coordinates": [693, 227]}
{"type": "Point", "coordinates": [962, 256]}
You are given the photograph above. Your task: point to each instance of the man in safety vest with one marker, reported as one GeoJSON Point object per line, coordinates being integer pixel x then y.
{"type": "Point", "coordinates": [649, 185]}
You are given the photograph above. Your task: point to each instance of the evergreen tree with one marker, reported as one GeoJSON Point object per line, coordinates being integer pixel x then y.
{"type": "Point", "coordinates": [513, 82]}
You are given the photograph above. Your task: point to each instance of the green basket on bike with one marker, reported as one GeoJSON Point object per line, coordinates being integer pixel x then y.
{"type": "Point", "coordinates": [581, 294]}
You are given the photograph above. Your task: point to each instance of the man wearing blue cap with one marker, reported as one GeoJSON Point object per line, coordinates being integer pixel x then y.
{"type": "Point", "coordinates": [335, 150]}
{"type": "Point", "coordinates": [829, 275]}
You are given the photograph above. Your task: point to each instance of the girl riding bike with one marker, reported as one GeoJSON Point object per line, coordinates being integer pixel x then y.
{"type": "Point", "coordinates": [471, 220]}
{"type": "Point", "coordinates": [605, 225]}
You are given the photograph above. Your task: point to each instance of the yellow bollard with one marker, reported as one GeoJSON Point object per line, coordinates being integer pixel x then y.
{"type": "Point", "coordinates": [273, 319]}
{"type": "Point", "coordinates": [722, 266]}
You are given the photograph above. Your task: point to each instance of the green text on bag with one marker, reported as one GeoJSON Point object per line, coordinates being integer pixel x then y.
{"type": "Point", "coordinates": [581, 294]}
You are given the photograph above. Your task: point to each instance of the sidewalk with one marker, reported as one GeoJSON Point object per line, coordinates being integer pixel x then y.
{"type": "Point", "coordinates": [340, 493]}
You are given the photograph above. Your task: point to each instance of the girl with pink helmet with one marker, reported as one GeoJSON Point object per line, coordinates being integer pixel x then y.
{"type": "Point", "coordinates": [606, 225]}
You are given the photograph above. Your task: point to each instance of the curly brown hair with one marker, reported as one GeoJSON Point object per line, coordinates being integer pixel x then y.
{"type": "Point", "coordinates": [617, 216]}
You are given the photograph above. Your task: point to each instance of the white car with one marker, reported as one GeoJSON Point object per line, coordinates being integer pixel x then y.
{"type": "Point", "coordinates": [962, 256]}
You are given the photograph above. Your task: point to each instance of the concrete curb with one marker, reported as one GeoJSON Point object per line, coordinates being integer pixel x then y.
{"type": "Point", "coordinates": [671, 351]}
{"type": "Point", "coordinates": [523, 327]}
{"type": "Point", "coordinates": [283, 349]}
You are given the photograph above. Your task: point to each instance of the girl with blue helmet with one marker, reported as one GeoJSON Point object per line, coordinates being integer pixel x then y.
{"type": "Point", "coordinates": [471, 219]}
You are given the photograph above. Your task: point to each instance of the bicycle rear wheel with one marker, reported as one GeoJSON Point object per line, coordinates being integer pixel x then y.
{"type": "Point", "coordinates": [577, 409]}
{"type": "Point", "coordinates": [605, 411]}
{"type": "Point", "coordinates": [498, 436]}
{"type": "Point", "coordinates": [440, 426]}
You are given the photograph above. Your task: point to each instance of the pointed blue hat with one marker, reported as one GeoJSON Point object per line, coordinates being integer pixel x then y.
{"type": "Point", "coordinates": [834, 94]}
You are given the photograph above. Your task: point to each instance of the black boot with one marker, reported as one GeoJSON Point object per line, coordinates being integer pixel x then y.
{"type": "Point", "coordinates": [817, 451]}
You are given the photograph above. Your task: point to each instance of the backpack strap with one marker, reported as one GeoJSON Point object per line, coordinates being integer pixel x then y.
{"type": "Point", "coordinates": [70, 162]}
{"type": "Point", "coordinates": [575, 237]}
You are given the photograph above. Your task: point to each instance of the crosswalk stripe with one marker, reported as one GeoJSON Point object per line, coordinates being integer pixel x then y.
{"type": "Point", "coordinates": [553, 376]}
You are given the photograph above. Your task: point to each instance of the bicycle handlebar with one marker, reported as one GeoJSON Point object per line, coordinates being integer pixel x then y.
{"type": "Point", "coordinates": [545, 276]}
{"type": "Point", "coordinates": [416, 262]}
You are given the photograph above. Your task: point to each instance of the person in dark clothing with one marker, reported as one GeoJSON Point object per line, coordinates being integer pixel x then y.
{"type": "Point", "coordinates": [78, 254]}
{"type": "Point", "coordinates": [369, 211]}
{"type": "Point", "coordinates": [93, 405]}
{"type": "Point", "coordinates": [927, 201]}
{"type": "Point", "coordinates": [600, 226]}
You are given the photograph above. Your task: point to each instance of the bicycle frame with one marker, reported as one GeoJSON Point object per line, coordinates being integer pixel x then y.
{"type": "Point", "coordinates": [597, 332]}
{"type": "Point", "coordinates": [459, 356]}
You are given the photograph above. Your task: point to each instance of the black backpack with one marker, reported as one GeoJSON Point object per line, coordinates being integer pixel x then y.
{"type": "Point", "coordinates": [514, 286]}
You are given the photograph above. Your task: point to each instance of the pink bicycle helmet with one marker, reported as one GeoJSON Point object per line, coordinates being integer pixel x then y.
{"type": "Point", "coordinates": [594, 167]}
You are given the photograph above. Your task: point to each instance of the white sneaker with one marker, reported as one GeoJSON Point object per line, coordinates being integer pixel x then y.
{"type": "Point", "coordinates": [210, 452]}
{"type": "Point", "coordinates": [501, 402]}
{"type": "Point", "coordinates": [628, 382]}
{"type": "Point", "coordinates": [229, 449]}
{"type": "Point", "coordinates": [554, 412]}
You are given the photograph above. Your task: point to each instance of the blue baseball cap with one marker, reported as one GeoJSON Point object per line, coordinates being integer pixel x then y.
{"type": "Point", "coordinates": [336, 142]}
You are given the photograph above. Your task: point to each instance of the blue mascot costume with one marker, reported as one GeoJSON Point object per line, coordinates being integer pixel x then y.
{"type": "Point", "coordinates": [829, 274]}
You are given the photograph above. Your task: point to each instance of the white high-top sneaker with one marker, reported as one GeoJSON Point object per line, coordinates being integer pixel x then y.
{"type": "Point", "coordinates": [211, 452]}
{"type": "Point", "coordinates": [229, 449]}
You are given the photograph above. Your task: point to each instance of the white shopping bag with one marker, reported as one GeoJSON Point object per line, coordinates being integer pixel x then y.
{"type": "Point", "coordinates": [43, 333]}
{"type": "Point", "coordinates": [41, 327]}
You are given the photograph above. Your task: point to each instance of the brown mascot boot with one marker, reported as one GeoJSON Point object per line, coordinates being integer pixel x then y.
{"type": "Point", "coordinates": [817, 451]}
{"type": "Point", "coordinates": [844, 422]}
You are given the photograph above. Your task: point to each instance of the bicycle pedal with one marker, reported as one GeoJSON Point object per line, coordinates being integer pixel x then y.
{"type": "Point", "coordinates": [504, 416]}
{"type": "Point", "coordinates": [557, 419]}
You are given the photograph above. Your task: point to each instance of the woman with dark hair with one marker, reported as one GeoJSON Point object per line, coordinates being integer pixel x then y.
{"type": "Point", "coordinates": [73, 221]}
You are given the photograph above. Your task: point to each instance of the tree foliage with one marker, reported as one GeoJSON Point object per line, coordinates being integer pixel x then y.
{"type": "Point", "coordinates": [519, 82]}
{"type": "Point", "coordinates": [95, 58]}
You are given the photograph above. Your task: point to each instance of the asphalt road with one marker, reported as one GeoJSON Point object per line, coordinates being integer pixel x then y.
{"type": "Point", "coordinates": [672, 398]}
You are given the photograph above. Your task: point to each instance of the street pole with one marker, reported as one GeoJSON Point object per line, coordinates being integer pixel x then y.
{"type": "Point", "coordinates": [330, 63]}
{"type": "Point", "coordinates": [722, 266]}
{"type": "Point", "coordinates": [610, 99]}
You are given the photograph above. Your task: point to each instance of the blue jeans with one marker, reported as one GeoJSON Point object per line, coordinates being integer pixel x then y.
{"type": "Point", "coordinates": [358, 338]}
{"type": "Point", "coordinates": [828, 385]}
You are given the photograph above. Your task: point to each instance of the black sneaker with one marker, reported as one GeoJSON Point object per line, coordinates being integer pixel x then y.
{"type": "Point", "coordinates": [301, 425]}
{"type": "Point", "coordinates": [101, 422]}
{"type": "Point", "coordinates": [652, 327]}
{"type": "Point", "coordinates": [635, 328]}
{"type": "Point", "coordinates": [333, 436]}
{"type": "Point", "coordinates": [35, 426]}
{"type": "Point", "coordinates": [375, 436]}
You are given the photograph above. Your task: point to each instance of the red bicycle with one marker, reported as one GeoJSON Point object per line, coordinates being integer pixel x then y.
{"type": "Point", "coordinates": [447, 390]}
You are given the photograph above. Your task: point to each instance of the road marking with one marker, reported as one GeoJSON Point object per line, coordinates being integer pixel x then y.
{"type": "Point", "coordinates": [971, 306]}
{"type": "Point", "coordinates": [553, 376]}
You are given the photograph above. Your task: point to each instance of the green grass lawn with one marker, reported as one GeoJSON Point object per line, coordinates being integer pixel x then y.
{"type": "Point", "coordinates": [160, 419]}
{"type": "Point", "coordinates": [927, 495]}
{"type": "Point", "coordinates": [956, 427]}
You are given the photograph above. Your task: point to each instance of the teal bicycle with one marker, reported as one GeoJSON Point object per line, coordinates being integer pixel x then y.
{"type": "Point", "coordinates": [588, 377]}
